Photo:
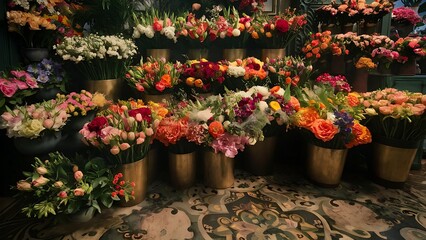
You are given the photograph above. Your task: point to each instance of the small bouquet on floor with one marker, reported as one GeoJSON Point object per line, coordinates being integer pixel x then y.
{"type": "Point", "coordinates": [395, 115]}
{"type": "Point", "coordinates": [59, 185]}
{"type": "Point", "coordinates": [331, 119]}
{"type": "Point", "coordinates": [155, 76]}
{"type": "Point", "coordinates": [15, 86]}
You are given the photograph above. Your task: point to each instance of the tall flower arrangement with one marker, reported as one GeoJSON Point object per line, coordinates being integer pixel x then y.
{"type": "Point", "coordinates": [98, 57]}
{"type": "Point", "coordinates": [277, 31]}
{"type": "Point", "coordinates": [155, 76]}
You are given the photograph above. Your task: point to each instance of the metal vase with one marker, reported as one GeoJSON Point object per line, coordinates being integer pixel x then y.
{"type": "Point", "coordinates": [218, 170]}
{"type": "Point", "coordinates": [111, 88]}
{"type": "Point", "coordinates": [259, 158]}
{"type": "Point", "coordinates": [325, 165]}
{"type": "Point", "coordinates": [392, 164]}
{"type": "Point", "coordinates": [182, 169]}
{"type": "Point", "coordinates": [158, 98]}
{"type": "Point", "coordinates": [198, 53]}
{"type": "Point", "coordinates": [159, 53]}
{"type": "Point", "coordinates": [135, 172]}
{"type": "Point", "coordinates": [232, 54]}
{"type": "Point", "coordinates": [272, 53]}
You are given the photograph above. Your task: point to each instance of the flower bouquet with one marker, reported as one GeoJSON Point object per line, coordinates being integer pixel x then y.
{"type": "Point", "coordinates": [277, 31]}
{"type": "Point", "coordinates": [244, 74]}
{"type": "Point", "coordinates": [410, 48]}
{"type": "Point", "coordinates": [122, 134]}
{"type": "Point", "coordinates": [365, 63]}
{"type": "Point", "coordinates": [63, 186]}
{"type": "Point", "coordinates": [193, 32]}
{"type": "Point", "coordinates": [230, 30]}
{"type": "Point", "coordinates": [383, 57]}
{"type": "Point", "coordinates": [348, 14]}
{"type": "Point", "coordinates": [49, 74]}
{"type": "Point", "coordinates": [339, 82]}
{"type": "Point", "coordinates": [288, 70]}
{"type": "Point", "coordinates": [155, 30]}
{"type": "Point", "coordinates": [83, 103]}
{"type": "Point", "coordinates": [405, 16]}
{"type": "Point", "coordinates": [36, 128]}
{"type": "Point", "coordinates": [373, 12]}
{"type": "Point", "coordinates": [203, 76]}
{"type": "Point", "coordinates": [397, 121]}
{"type": "Point", "coordinates": [155, 76]}
{"type": "Point", "coordinates": [98, 57]}
{"type": "Point", "coordinates": [15, 86]}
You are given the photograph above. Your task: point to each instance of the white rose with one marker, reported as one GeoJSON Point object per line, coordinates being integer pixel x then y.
{"type": "Point", "coordinates": [236, 32]}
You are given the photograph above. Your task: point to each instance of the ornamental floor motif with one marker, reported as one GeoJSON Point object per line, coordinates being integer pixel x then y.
{"type": "Point", "coordinates": [283, 206]}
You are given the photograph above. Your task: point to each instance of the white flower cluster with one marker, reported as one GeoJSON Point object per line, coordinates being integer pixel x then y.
{"type": "Point", "coordinates": [25, 4]}
{"type": "Point", "coordinates": [140, 30]}
{"type": "Point", "coordinates": [93, 46]}
{"type": "Point", "coordinates": [236, 71]}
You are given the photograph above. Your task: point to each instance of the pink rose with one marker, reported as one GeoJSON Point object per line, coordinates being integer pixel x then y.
{"type": "Point", "coordinates": [78, 192]}
{"type": "Point", "coordinates": [78, 175]}
{"type": "Point", "coordinates": [18, 74]}
{"type": "Point", "coordinates": [115, 150]}
{"type": "Point", "coordinates": [8, 88]}
{"type": "Point", "coordinates": [23, 185]}
{"type": "Point", "coordinates": [21, 85]}
{"type": "Point", "coordinates": [48, 123]}
{"type": "Point", "coordinates": [63, 194]}
{"type": "Point", "coordinates": [40, 181]}
{"type": "Point", "coordinates": [31, 82]}
{"type": "Point", "coordinates": [385, 110]}
{"type": "Point", "coordinates": [41, 170]}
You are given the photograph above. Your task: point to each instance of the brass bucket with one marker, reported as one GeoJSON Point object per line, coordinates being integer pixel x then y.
{"type": "Point", "coordinates": [232, 54]}
{"type": "Point", "coordinates": [260, 157]}
{"type": "Point", "coordinates": [273, 53]}
{"type": "Point", "coordinates": [218, 170]}
{"type": "Point", "coordinates": [135, 172]}
{"type": "Point", "coordinates": [159, 53]}
{"type": "Point", "coordinates": [182, 169]}
{"type": "Point", "coordinates": [392, 164]}
{"type": "Point", "coordinates": [111, 88]}
{"type": "Point", "coordinates": [158, 98]}
{"type": "Point", "coordinates": [325, 165]}
{"type": "Point", "coordinates": [152, 164]}
{"type": "Point", "coordinates": [198, 53]}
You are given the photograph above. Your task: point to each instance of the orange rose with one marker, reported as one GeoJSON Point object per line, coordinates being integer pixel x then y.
{"type": "Point", "coordinates": [306, 116]}
{"type": "Point", "coordinates": [216, 129]}
{"type": "Point", "coordinates": [294, 102]}
{"type": "Point", "coordinates": [353, 99]}
{"type": "Point", "coordinates": [362, 135]}
{"type": "Point", "coordinates": [167, 80]}
{"type": "Point", "coordinates": [324, 130]}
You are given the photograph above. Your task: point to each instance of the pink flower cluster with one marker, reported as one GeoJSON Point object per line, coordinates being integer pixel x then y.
{"type": "Point", "coordinates": [405, 14]}
{"type": "Point", "coordinates": [18, 80]}
{"type": "Point", "coordinates": [339, 82]}
{"type": "Point", "coordinates": [384, 54]}
{"type": "Point", "coordinates": [229, 144]}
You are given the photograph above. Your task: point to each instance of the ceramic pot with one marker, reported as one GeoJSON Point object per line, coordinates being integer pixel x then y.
{"type": "Point", "coordinates": [325, 165]}
{"type": "Point", "coordinates": [218, 170]}
{"type": "Point", "coordinates": [46, 143]}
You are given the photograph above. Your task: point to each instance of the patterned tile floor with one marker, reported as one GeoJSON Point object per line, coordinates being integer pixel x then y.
{"type": "Point", "coordinates": [282, 206]}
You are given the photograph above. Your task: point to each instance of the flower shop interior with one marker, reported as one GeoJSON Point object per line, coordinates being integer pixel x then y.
{"type": "Point", "coordinates": [230, 119]}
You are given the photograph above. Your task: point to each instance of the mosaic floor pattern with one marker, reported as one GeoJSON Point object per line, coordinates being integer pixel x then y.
{"type": "Point", "coordinates": [284, 206]}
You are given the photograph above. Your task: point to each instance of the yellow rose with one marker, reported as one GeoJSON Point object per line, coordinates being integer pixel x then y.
{"type": "Point", "coordinates": [31, 129]}
{"type": "Point", "coordinates": [99, 99]}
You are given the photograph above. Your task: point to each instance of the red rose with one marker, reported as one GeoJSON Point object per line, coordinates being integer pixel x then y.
{"type": "Point", "coordinates": [8, 88]}
{"type": "Point", "coordinates": [282, 25]}
{"type": "Point", "coordinates": [157, 26]}
{"type": "Point", "coordinates": [145, 113]}
{"type": "Point", "coordinates": [97, 124]}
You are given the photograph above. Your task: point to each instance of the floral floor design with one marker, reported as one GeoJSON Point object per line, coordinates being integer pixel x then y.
{"type": "Point", "coordinates": [285, 206]}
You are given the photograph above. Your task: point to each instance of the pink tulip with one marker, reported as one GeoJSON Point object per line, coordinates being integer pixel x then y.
{"type": "Point", "coordinates": [40, 181]}
{"type": "Point", "coordinates": [79, 192]}
{"type": "Point", "coordinates": [23, 185]}
{"type": "Point", "coordinates": [41, 170]}
{"type": "Point", "coordinates": [62, 194]}
{"type": "Point", "coordinates": [124, 146]}
{"type": "Point", "coordinates": [149, 132]}
{"type": "Point", "coordinates": [78, 175]}
{"type": "Point", "coordinates": [131, 136]}
{"type": "Point", "coordinates": [140, 140]}
{"type": "Point", "coordinates": [115, 150]}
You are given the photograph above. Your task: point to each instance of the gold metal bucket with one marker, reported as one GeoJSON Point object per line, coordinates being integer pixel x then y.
{"type": "Point", "coordinates": [232, 54]}
{"type": "Point", "coordinates": [260, 157]}
{"type": "Point", "coordinates": [182, 168]}
{"type": "Point", "coordinates": [111, 88]}
{"type": "Point", "coordinates": [135, 172]}
{"type": "Point", "coordinates": [218, 170]}
{"type": "Point", "coordinates": [273, 53]}
{"type": "Point", "coordinates": [159, 53]}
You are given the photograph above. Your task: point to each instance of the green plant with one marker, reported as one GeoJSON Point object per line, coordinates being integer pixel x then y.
{"type": "Point", "coordinates": [411, 3]}
{"type": "Point", "coordinates": [59, 185]}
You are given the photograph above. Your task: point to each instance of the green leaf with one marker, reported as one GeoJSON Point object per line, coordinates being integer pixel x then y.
{"type": "Point", "coordinates": [95, 204]}
{"type": "Point", "coordinates": [107, 200]}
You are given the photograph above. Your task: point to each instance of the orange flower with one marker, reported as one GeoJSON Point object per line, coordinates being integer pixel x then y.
{"type": "Point", "coordinates": [324, 130]}
{"type": "Point", "coordinates": [362, 135]}
{"type": "Point", "coordinates": [275, 89]}
{"type": "Point", "coordinates": [190, 81]}
{"type": "Point", "coordinates": [198, 83]}
{"type": "Point", "coordinates": [306, 116]}
{"type": "Point", "coordinates": [167, 80]}
{"type": "Point", "coordinates": [353, 99]}
{"type": "Point", "coordinates": [294, 102]}
{"type": "Point", "coordinates": [216, 129]}
{"type": "Point", "coordinates": [255, 35]}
